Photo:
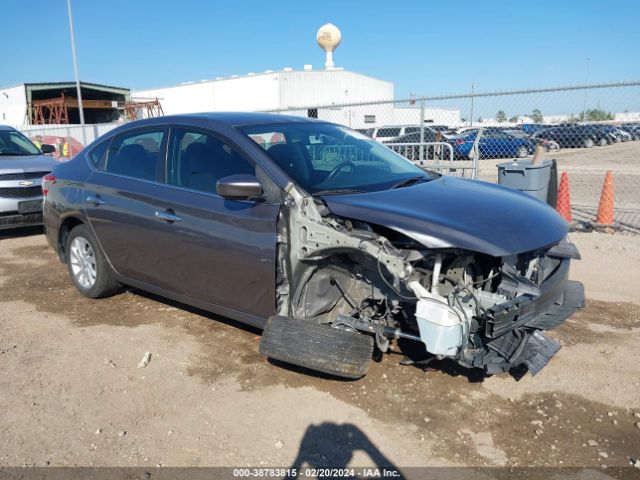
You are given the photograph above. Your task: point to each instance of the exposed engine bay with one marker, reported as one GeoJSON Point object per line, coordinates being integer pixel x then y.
{"type": "Point", "coordinates": [479, 310]}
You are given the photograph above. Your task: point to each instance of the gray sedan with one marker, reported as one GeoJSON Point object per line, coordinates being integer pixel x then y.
{"type": "Point", "coordinates": [22, 166]}
{"type": "Point", "coordinates": [328, 240]}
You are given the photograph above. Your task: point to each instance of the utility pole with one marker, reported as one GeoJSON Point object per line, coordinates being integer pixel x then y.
{"type": "Point", "coordinates": [75, 71]}
{"type": "Point", "coordinates": [586, 81]}
{"type": "Point", "coordinates": [473, 91]}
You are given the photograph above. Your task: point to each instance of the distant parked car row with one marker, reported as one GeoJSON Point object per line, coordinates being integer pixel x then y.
{"type": "Point", "coordinates": [496, 142]}
{"type": "Point", "coordinates": [587, 136]}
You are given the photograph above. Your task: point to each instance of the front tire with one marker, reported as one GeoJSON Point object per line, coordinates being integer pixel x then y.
{"type": "Point", "coordinates": [587, 143]}
{"type": "Point", "coordinates": [318, 347]}
{"type": "Point", "coordinates": [603, 142]}
{"type": "Point", "coordinates": [88, 268]}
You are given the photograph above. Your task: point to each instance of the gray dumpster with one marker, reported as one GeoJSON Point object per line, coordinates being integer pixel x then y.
{"type": "Point", "coordinates": [531, 179]}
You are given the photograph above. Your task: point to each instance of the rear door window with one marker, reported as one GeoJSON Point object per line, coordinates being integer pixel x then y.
{"type": "Point", "coordinates": [137, 154]}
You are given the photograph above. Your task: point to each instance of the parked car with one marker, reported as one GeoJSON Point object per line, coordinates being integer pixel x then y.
{"type": "Point", "coordinates": [387, 133]}
{"type": "Point", "coordinates": [494, 143]}
{"type": "Point", "coordinates": [408, 145]}
{"type": "Point", "coordinates": [632, 129]}
{"type": "Point", "coordinates": [22, 166]}
{"type": "Point", "coordinates": [621, 133]}
{"type": "Point", "coordinates": [548, 145]}
{"type": "Point", "coordinates": [531, 128]}
{"type": "Point", "coordinates": [574, 136]}
{"type": "Point", "coordinates": [326, 239]}
{"type": "Point", "coordinates": [615, 135]}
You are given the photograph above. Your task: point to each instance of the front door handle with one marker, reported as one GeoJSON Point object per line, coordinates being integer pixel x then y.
{"type": "Point", "coordinates": [95, 200]}
{"type": "Point", "coordinates": [168, 216]}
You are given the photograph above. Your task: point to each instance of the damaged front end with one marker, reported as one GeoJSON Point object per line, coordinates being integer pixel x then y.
{"type": "Point", "coordinates": [479, 310]}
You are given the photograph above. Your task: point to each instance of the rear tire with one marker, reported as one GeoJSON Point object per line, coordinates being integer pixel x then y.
{"type": "Point", "coordinates": [318, 347]}
{"type": "Point", "coordinates": [603, 142]}
{"type": "Point", "coordinates": [587, 143]}
{"type": "Point", "coordinates": [88, 268]}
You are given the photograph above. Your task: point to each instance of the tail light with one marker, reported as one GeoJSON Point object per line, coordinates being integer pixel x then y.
{"type": "Point", "coordinates": [460, 141]}
{"type": "Point", "coordinates": [47, 181]}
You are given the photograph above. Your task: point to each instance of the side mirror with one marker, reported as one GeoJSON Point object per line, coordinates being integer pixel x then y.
{"type": "Point", "coordinates": [239, 186]}
{"type": "Point", "coordinates": [46, 148]}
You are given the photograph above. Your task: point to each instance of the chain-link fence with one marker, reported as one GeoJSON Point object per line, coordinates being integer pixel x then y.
{"type": "Point", "coordinates": [587, 129]}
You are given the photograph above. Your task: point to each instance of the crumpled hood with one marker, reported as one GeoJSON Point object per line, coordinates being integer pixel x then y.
{"type": "Point", "coordinates": [453, 212]}
{"type": "Point", "coordinates": [23, 163]}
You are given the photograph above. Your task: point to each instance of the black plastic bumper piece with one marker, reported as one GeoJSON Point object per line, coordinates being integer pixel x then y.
{"type": "Point", "coordinates": [558, 299]}
{"type": "Point", "coordinates": [512, 335]}
{"type": "Point", "coordinates": [17, 221]}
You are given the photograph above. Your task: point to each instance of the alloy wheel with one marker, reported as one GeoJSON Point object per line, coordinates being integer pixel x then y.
{"type": "Point", "coordinates": [83, 262]}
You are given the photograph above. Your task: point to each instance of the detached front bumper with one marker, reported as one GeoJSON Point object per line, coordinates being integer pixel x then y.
{"type": "Point", "coordinates": [510, 334]}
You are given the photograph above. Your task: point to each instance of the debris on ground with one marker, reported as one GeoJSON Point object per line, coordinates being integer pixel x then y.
{"type": "Point", "coordinates": [146, 358]}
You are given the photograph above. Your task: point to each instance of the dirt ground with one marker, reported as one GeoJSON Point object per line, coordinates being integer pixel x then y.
{"type": "Point", "coordinates": [72, 393]}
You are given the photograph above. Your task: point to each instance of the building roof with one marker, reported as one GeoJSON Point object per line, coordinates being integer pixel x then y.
{"type": "Point", "coordinates": [49, 85]}
{"type": "Point", "coordinates": [285, 70]}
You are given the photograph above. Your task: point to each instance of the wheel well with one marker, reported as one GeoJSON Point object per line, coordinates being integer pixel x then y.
{"type": "Point", "coordinates": [67, 225]}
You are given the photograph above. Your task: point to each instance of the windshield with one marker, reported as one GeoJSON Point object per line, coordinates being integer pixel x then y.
{"type": "Point", "coordinates": [14, 143]}
{"type": "Point", "coordinates": [324, 158]}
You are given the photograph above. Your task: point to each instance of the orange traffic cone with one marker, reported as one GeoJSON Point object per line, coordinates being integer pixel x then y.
{"type": "Point", "coordinates": [605, 209]}
{"type": "Point", "coordinates": [563, 206]}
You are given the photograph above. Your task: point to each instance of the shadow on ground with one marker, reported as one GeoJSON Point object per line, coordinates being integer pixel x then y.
{"type": "Point", "coordinates": [332, 446]}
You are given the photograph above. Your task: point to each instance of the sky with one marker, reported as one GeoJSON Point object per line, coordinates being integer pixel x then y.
{"type": "Point", "coordinates": [424, 47]}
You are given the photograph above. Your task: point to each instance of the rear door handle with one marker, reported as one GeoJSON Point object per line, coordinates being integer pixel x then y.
{"type": "Point", "coordinates": [168, 216]}
{"type": "Point", "coordinates": [96, 201]}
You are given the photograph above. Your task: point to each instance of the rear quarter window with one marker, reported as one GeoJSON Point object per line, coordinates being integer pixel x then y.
{"type": "Point", "coordinates": [97, 155]}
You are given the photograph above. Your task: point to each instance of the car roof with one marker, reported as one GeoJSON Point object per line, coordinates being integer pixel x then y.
{"type": "Point", "coordinates": [233, 119]}
{"type": "Point", "coordinates": [6, 127]}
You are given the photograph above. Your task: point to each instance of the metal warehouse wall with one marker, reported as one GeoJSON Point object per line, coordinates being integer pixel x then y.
{"type": "Point", "coordinates": [439, 116]}
{"type": "Point", "coordinates": [196, 97]}
{"type": "Point", "coordinates": [13, 105]}
{"type": "Point", "coordinates": [259, 92]}
{"type": "Point", "coordinates": [327, 87]}
{"type": "Point", "coordinates": [270, 91]}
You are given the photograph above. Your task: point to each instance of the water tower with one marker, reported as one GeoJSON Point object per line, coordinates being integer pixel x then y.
{"type": "Point", "coordinates": [328, 38]}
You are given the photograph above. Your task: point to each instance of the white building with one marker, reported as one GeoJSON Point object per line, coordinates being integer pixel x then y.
{"type": "Point", "coordinates": [336, 95]}
{"type": "Point", "coordinates": [278, 90]}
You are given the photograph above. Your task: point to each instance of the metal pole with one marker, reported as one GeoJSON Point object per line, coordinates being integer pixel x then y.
{"type": "Point", "coordinates": [473, 90]}
{"type": "Point", "coordinates": [586, 81]}
{"type": "Point", "coordinates": [75, 71]}
{"type": "Point", "coordinates": [421, 149]}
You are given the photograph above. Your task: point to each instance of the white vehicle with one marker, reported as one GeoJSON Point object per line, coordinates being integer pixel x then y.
{"type": "Point", "coordinates": [390, 132]}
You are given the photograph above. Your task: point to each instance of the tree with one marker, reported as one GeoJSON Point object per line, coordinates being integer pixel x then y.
{"type": "Point", "coordinates": [595, 115]}
{"type": "Point", "coordinates": [501, 117]}
{"type": "Point", "coordinates": [514, 119]}
{"type": "Point", "coordinates": [536, 116]}
{"type": "Point", "coordinates": [479, 119]}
